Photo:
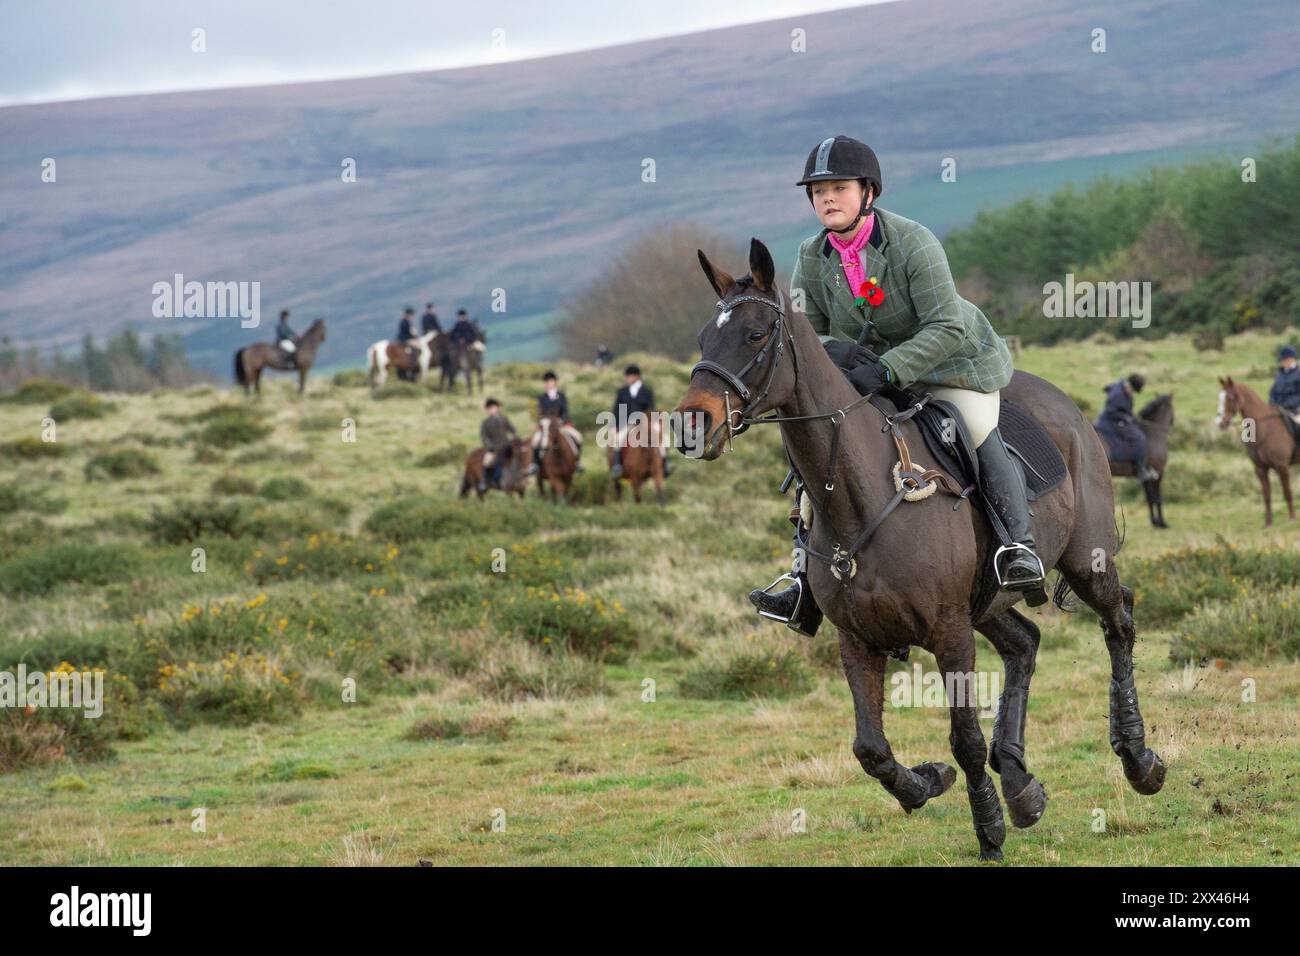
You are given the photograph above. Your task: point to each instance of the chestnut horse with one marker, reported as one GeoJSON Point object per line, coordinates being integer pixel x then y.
{"type": "Point", "coordinates": [642, 462]}
{"type": "Point", "coordinates": [1265, 438]}
{"type": "Point", "coordinates": [916, 583]}
{"type": "Point", "coordinates": [559, 463]}
{"type": "Point", "coordinates": [251, 360]}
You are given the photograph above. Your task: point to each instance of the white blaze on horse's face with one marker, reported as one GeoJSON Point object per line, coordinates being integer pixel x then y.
{"type": "Point", "coordinates": [724, 318]}
{"type": "Point", "coordinates": [1223, 398]}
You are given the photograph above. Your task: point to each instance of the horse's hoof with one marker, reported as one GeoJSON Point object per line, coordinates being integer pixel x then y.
{"type": "Point", "coordinates": [1027, 807]}
{"type": "Point", "coordinates": [1152, 779]}
{"type": "Point", "coordinates": [992, 853]}
{"type": "Point", "coordinates": [939, 776]}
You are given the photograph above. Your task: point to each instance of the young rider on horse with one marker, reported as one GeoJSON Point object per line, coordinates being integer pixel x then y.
{"type": "Point", "coordinates": [429, 321]}
{"type": "Point", "coordinates": [495, 433]}
{"type": "Point", "coordinates": [872, 278]}
{"type": "Point", "coordinates": [553, 404]}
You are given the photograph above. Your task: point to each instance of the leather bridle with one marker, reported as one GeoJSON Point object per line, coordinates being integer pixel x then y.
{"type": "Point", "coordinates": [777, 334]}
{"type": "Point", "coordinates": [912, 479]}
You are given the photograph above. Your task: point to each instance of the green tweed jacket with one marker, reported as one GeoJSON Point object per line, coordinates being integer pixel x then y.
{"type": "Point", "coordinates": [923, 330]}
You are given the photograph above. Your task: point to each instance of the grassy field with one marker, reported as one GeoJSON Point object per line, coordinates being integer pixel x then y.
{"type": "Point", "coordinates": [501, 717]}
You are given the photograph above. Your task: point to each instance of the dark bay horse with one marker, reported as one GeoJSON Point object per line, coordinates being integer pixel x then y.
{"type": "Point", "coordinates": [1268, 444]}
{"type": "Point", "coordinates": [559, 463]}
{"type": "Point", "coordinates": [1155, 419]}
{"type": "Point", "coordinates": [915, 584]}
{"type": "Point", "coordinates": [251, 360]}
{"type": "Point", "coordinates": [461, 358]}
{"type": "Point", "coordinates": [514, 460]}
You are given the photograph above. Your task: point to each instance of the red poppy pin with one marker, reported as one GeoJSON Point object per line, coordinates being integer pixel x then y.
{"type": "Point", "coordinates": [870, 293]}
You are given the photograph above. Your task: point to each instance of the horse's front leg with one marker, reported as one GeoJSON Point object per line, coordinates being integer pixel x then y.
{"type": "Point", "coordinates": [865, 671]}
{"type": "Point", "coordinates": [954, 650]}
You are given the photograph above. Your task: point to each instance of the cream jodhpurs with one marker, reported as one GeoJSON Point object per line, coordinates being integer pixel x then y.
{"type": "Point", "coordinates": [978, 409]}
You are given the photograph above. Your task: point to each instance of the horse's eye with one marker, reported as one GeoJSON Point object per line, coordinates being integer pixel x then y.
{"type": "Point", "coordinates": [756, 335]}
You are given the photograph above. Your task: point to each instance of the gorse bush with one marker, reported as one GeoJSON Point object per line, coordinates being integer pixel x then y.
{"type": "Point", "coordinates": [191, 520]}
{"type": "Point", "coordinates": [569, 618]}
{"type": "Point", "coordinates": [32, 449]}
{"type": "Point", "coordinates": [1171, 586]}
{"type": "Point", "coordinates": [122, 463]}
{"type": "Point", "coordinates": [17, 497]}
{"type": "Point", "coordinates": [83, 405]}
{"type": "Point", "coordinates": [44, 568]}
{"type": "Point", "coordinates": [233, 485]}
{"type": "Point", "coordinates": [321, 556]}
{"type": "Point", "coordinates": [236, 689]}
{"type": "Point", "coordinates": [756, 673]}
{"type": "Point", "coordinates": [226, 426]}
{"type": "Point", "coordinates": [39, 391]}
{"type": "Point", "coordinates": [1255, 624]}
{"type": "Point", "coordinates": [284, 488]}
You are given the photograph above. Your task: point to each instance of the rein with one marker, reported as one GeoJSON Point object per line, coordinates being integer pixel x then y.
{"type": "Point", "coordinates": [841, 560]}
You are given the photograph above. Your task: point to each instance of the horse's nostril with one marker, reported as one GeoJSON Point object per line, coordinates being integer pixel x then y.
{"type": "Point", "coordinates": [691, 432]}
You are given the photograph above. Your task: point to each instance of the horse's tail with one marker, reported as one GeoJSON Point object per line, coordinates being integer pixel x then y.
{"type": "Point", "coordinates": [1062, 594]}
{"type": "Point", "coordinates": [240, 376]}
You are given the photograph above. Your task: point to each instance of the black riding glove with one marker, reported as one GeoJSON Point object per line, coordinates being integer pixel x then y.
{"type": "Point", "coordinates": [869, 376]}
{"type": "Point", "coordinates": [844, 354]}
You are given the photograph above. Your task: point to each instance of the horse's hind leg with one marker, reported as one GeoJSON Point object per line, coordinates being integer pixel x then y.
{"type": "Point", "coordinates": [1261, 472]}
{"type": "Point", "coordinates": [1284, 477]}
{"type": "Point", "coordinates": [1102, 592]}
{"type": "Point", "coordinates": [865, 671]}
{"type": "Point", "coordinates": [1149, 488]}
{"type": "Point", "coordinates": [955, 654]}
{"type": "Point", "coordinates": [1016, 639]}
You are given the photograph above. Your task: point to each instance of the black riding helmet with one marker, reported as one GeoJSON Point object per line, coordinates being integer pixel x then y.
{"type": "Point", "coordinates": [843, 157]}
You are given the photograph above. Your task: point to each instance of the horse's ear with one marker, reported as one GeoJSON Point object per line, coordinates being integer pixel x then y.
{"type": "Point", "coordinates": [1222, 383]}
{"type": "Point", "coordinates": [761, 268]}
{"type": "Point", "coordinates": [720, 281]}
{"type": "Point", "coordinates": [1227, 382]}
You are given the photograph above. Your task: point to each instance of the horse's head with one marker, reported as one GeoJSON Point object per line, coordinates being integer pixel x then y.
{"type": "Point", "coordinates": [741, 373]}
{"type": "Point", "coordinates": [1159, 410]}
{"type": "Point", "coordinates": [1229, 402]}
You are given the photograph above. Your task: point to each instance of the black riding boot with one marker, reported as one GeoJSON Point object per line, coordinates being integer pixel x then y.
{"type": "Point", "coordinates": [1002, 483]}
{"type": "Point", "coordinates": [794, 606]}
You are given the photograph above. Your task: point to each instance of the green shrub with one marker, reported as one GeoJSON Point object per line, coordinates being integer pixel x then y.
{"type": "Point", "coordinates": [553, 677]}
{"type": "Point", "coordinates": [233, 485]}
{"type": "Point", "coordinates": [320, 556]}
{"type": "Point", "coordinates": [571, 618]}
{"type": "Point", "coordinates": [395, 388]}
{"type": "Point", "coordinates": [82, 405]}
{"type": "Point", "coordinates": [44, 568]}
{"type": "Point", "coordinates": [1170, 586]}
{"type": "Point", "coordinates": [191, 520]}
{"type": "Point", "coordinates": [38, 391]}
{"type": "Point", "coordinates": [230, 425]}
{"type": "Point", "coordinates": [16, 497]}
{"type": "Point", "coordinates": [774, 673]}
{"type": "Point", "coordinates": [453, 454]}
{"type": "Point", "coordinates": [351, 378]}
{"type": "Point", "coordinates": [122, 463]}
{"type": "Point", "coordinates": [285, 488]}
{"type": "Point", "coordinates": [485, 726]}
{"type": "Point", "coordinates": [237, 689]}
{"type": "Point", "coordinates": [31, 449]}
{"type": "Point", "coordinates": [1256, 624]}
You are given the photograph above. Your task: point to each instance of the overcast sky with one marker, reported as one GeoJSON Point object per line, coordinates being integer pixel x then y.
{"type": "Point", "coordinates": [73, 49]}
